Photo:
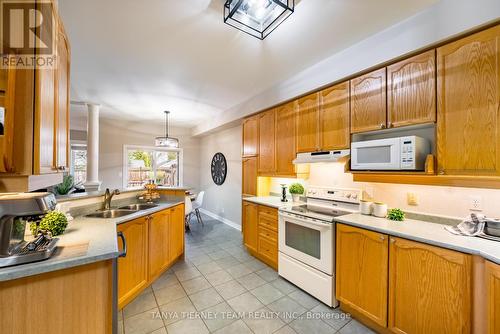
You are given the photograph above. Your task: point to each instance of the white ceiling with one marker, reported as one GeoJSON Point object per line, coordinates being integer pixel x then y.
{"type": "Point", "coordinates": [138, 58]}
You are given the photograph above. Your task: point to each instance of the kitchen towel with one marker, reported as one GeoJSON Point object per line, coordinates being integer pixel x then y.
{"type": "Point", "coordinates": [473, 225]}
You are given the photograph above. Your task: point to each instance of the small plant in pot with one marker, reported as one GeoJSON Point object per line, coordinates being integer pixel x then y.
{"type": "Point", "coordinates": [296, 189]}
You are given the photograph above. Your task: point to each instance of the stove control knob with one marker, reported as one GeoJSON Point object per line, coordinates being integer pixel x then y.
{"type": "Point", "coordinates": [348, 195]}
{"type": "Point", "coordinates": [354, 196]}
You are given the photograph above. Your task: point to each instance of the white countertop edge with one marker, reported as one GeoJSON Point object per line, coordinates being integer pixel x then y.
{"type": "Point", "coordinates": [428, 233]}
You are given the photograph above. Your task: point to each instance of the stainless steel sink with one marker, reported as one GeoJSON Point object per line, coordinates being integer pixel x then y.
{"type": "Point", "coordinates": [114, 213]}
{"type": "Point", "coordinates": [139, 206]}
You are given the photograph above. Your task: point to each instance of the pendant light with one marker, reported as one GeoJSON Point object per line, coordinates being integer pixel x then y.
{"type": "Point", "coordinates": [166, 141]}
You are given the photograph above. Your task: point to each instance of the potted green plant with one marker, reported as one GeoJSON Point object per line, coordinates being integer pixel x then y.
{"type": "Point", "coordinates": [296, 189]}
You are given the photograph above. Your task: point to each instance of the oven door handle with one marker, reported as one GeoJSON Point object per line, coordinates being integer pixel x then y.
{"type": "Point", "coordinates": [307, 221]}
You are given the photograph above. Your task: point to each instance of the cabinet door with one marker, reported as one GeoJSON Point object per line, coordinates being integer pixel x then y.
{"type": "Point", "coordinates": [176, 232]}
{"type": "Point", "coordinates": [267, 141]}
{"type": "Point", "coordinates": [307, 124]}
{"type": "Point", "coordinates": [159, 243]}
{"type": "Point", "coordinates": [493, 300]}
{"type": "Point", "coordinates": [285, 138]}
{"type": "Point", "coordinates": [132, 269]}
{"type": "Point", "coordinates": [249, 176]}
{"type": "Point", "coordinates": [429, 289]}
{"type": "Point", "coordinates": [45, 125]}
{"type": "Point", "coordinates": [62, 128]}
{"type": "Point", "coordinates": [7, 87]}
{"type": "Point", "coordinates": [362, 271]}
{"type": "Point", "coordinates": [250, 136]}
{"type": "Point", "coordinates": [468, 115]}
{"type": "Point", "coordinates": [368, 102]}
{"type": "Point", "coordinates": [411, 90]}
{"type": "Point", "coordinates": [334, 116]}
{"type": "Point", "coordinates": [250, 225]}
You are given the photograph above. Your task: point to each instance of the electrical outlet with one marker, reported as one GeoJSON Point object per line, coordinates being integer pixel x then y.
{"type": "Point", "coordinates": [412, 199]}
{"type": "Point", "coordinates": [476, 203]}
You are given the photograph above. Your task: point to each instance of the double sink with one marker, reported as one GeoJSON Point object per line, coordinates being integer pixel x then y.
{"type": "Point", "coordinates": [122, 211]}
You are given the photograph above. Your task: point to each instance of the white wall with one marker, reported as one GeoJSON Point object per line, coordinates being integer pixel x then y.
{"type": "Point", "coordinates": [225, 200]}
{"type": "Point", "coordinates": [114, 134]}
{"type": "Point", "coordinates": [443, 201]}
{"type": "Point", "coordinates": [439, 22]}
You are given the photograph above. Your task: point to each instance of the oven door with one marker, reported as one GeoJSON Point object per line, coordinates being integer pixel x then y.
{"type": "Point", "coordinates": [307, 240]}
{"type": "Point", "coordinates": [381, 154]}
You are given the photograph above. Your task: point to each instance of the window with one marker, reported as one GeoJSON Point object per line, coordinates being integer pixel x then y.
{"type": "Point", "coordinates": [79, 163]}
{"type": "Point", "coordinates": [142, 164]}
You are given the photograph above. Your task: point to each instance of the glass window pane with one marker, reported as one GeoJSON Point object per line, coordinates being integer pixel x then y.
{"type": "Point", "coordinates": [303, 239]}
{"type": "Point", "coordinates": [376, 154]}
{"type": "Point", "coordinates": [79, 165]}
{"type": "Point", "coordinates": [167, 168]}
{"type": "Point", "coordinates": [139, 168]}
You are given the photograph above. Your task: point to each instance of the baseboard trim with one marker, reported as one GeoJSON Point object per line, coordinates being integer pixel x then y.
{"type": "Point", "coordinates": [222, 219]}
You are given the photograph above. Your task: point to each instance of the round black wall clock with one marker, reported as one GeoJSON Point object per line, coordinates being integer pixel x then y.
{"type": "Point", "coordinates": [219, 168]}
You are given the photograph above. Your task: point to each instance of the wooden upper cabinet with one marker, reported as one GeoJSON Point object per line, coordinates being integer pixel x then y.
{"type": "Point", "coordinates": [334, 117]}
{"type": "Point", "coordinates": [285, 138]}
{"type": "Point", "coordinates": [411, 90]}
{"type": "Point", "coordinates": [267, 142]}
{"type": "Point", "coordinates": [7, 95]}
{"type": "Point", "coordinates": [250, 225]}
{"type": "Point", "coordinates": [368, 102]}
{"type": "Point", "coordinates": [468, 118]}
{"type": "Point", "coordinates": [249, 177]}
{"type": "Point", "coordinates": [362, 271]}
{"type": "Point", "coordinates": [307, 124]}
{"type": "Point", "coordinates": [250, 136]}
{"type": "Point", "coordinates": [62, 104]}
{"type": "Point", "coordinates": [429, 289]}
{"type": "Point", "coordinates": [493, 299]}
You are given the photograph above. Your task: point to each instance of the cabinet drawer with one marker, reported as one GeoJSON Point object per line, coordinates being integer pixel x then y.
{"type": "Point", "coordinates": [272, 212]}
{"type": "Point", "coordinates": [268, 249]}
{"type": "Point", "coordinates": [268, 234]}
{"type": "Point", "coordinates": [268, 222]}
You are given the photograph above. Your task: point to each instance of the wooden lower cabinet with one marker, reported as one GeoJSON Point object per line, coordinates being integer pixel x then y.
{"type": "Point", "coordinates": [429, 289]}
{"type": "Point", "coordinates": [362, 271]}
{"type": "Point", "coordinates": [159, 243]}
{"type": "Point", "coordinates": [76, 300]}
{"type": "Point", "coordinates": [260, 232]}
{"type": "Point", "coordinates": [176, 232]}
{"type": "Point", "coordinates": [250, 225]}
{"type": "Point", "coordinates": [154, 243]}
{"type": "Point", "coordinates": [493, 300]}
{"type": "Point", "coordinates": [133, 269]}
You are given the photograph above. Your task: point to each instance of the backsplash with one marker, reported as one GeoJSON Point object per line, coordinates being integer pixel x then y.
{"type": "Point", "coordinates": [453, 202]}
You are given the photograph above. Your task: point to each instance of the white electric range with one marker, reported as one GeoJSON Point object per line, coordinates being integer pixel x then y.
{"type": "Point", "coordinates": [306, 240]}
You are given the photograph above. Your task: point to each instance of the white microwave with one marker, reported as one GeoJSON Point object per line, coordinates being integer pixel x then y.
{"type": "Point", "coordinates": [402, 153]}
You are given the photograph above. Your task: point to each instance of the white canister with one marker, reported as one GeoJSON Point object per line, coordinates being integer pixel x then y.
{"type": "Point", "coordinates": [366, 207]}
{"type": "Point", "coordinates": [379, 210]}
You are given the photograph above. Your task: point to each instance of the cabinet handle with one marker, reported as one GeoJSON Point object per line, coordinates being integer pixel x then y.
{"type": "Point", "coordinates": [441, 172]}
{"type": "Point", "coordinates": [123, 253]}
{"type": "Point", "coordinates": [390, 125]}
{"type": "Point", "coordinates": [382, 125]}
{"type": "Point", "coordinates": [382, 238]}
{"type": "Point", "coordinates": [393, 240]}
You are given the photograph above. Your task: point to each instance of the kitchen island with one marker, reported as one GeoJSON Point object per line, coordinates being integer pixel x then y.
{"type": "Point", "coordinates": [77, 289]}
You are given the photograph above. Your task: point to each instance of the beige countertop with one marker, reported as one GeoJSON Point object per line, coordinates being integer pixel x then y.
{"type": "Point", "coordinates": [100, 234]}
{"type": "Point", "coordinates": [429, 233]}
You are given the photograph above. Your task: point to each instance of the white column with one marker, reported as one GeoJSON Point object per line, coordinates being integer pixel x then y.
{"type": "Point", "coordinates": [93, 183]}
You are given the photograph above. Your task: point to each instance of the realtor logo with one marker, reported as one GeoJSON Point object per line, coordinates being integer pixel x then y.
{"type": "Point", "coordinates": [27, 34]}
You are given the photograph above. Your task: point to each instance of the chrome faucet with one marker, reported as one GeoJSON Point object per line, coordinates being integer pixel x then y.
{"type": "Point", "coordinates": [108, 196]}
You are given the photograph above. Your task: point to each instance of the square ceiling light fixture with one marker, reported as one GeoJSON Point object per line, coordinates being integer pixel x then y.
{"type": "Point", "coordinates": [257, 17]}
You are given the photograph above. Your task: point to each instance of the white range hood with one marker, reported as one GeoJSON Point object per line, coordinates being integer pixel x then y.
{"type": "Point", "coordinates": [325, 156]}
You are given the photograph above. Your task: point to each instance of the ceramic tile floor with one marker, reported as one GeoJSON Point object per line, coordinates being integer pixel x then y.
{"type": "Point", "coordinates": [220, 288]}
